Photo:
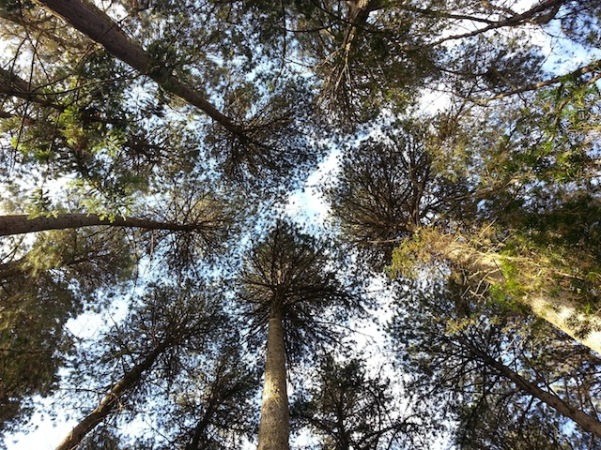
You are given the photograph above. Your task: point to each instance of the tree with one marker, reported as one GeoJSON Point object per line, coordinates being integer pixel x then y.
{"type": "Point", "coordinates": [21, 224]}
{"type": "Point", "coordinates": [64, 273]}
{"type": "Point", "coordinates": [167, 329]}
{"type": "Point", "coordinates": [40, 292]}
{"type": "Point", "coordinates": [262, 133]}
{"type": "Point", "coordinates": [392, 186]}
{"type": "Point", "coordinates": [113, 398]}
{"type": "Point", "coordinates": [218, 417]}
{"type": "Point", "coordinates": [373, 55]}
{"type": "Point", "coordinates": [210, 113]}
{"type": "Point", "coordinates": [492, 365]}
{"type": "Point", "coordinates": [533, 179]}
{"type": "Point", "coordinates": [388, 188]}
{"type": "Point", "coordinates": [94, 23]}
{"type": "Point", "coordinates": [349, 409]}
{"type": "Point", "coordinates": [287, 286]}
{"type": "Point", "coordinates": [77, 118]}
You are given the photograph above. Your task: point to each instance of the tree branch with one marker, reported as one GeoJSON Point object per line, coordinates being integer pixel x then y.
{"type": "Point", "coordinates": [21, 224]}
{"type": "Point", "coordinates": [98, 26]}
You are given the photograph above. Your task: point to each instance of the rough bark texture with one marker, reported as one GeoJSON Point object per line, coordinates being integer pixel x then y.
{"type": "Point", "coordinates": [20, 224]}
{"type": "Point", "coordinates": [98, 26]}
{"type": "Point", "coordinates": [111, 400]}
{"type": "Point", "coordinates": [274, 428]}
{"type": "Point", "coordinates": [585, 421]}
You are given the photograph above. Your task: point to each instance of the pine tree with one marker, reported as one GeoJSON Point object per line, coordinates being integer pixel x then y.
{"type": "Point", "coordinates": [201, 117]}
{"type": "Point", "coordinates": [287, 286]}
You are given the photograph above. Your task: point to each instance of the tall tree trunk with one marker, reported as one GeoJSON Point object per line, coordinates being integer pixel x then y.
{"type": "Point", "coordinates": [111, 400]}
{"type": "Point", "coordinates": [587, 422]}
{"type": "Point", "coordinates": [274, 428]}
{"type": "Point", "coordinates": [564, 315]}
{"type": "Point", "coordinates": [98, 26]}
{"type": "Point", "coordinates": [20, 224]}
{"type": "Point", "coordinates": [559, 310]}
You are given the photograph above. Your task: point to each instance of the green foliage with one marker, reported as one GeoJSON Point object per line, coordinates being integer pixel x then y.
{"type": "Point", "coordinates": [347, 408]}
{"type": "Point", "coordinates": [448, 341]}
{"type": "Point", "coordinates": [51, 284]}
{"type": "Point", "coordinates": [292, 274]}
{"type": "Point", "coordinates": [495, 197]}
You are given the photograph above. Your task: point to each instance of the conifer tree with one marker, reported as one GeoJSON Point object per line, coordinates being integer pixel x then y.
{"type": "Point", "coordinates": [288, 285]}
{"type": "Point", "coordinates": [468, 156]}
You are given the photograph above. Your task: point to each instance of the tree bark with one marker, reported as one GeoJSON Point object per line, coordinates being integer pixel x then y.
{"type": "Point", "coordinates": [212, 403]}
{"type": "Point", "coordinates": [201, 427]}
{"type": "Point", "coordinates": [111, 400]}
{"type": "Point", "coordinates": [21, 224]}
{"type": "Point", "coordinates": [98, 26]}
{"type": "Point", "coordinates": [564, 315]}
{"type": "Point", "coordinates": [587, 422]}
{"type": "Point", "coordinates": [11, 84]}
{"type": "Point", "coordinates": [274, 428]}
{"type": "Point", "coordinates": [558, 310]}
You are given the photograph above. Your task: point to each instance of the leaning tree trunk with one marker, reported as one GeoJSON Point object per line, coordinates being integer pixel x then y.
{"type": "Point", "coordinates": [587, 422]}
{"type": "Point", "coordinates": [98, 26]}
{"type": "Point", "coordinates": [274, 428]}
{"type": "Point", "coordinates": [565, 315]}
{"type": "Point", "coordinates": [20, 224]}
{"type": "Point", "coordinates": [111, 400]}
{"type": "Point", "coordinates": [559, 310]}
{"type": "Point", "coordinates": [13, 85]}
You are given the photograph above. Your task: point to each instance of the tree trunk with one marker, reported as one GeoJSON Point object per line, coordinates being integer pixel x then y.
{"type": "Point", "coordinates": [20, 224]}
{"type": "Point", "coordinates": [274, 428]}
{"type": "Point", "coordinates": [13, 85]}
{"type": "Point", "coordinates": [200, 430]}
{"type": "Point", "coordinates": [111, 400]}
{"type": "Point", "coordinates": [558, 310]}
{"type": "Point", "coordinates": [98, 26]}
{"type": "Point", "coordinates": [564, 315]}
{"type": "Point", "coordinates": [211, 404]}
{"type": "Point", "coordinates": [587, 422]}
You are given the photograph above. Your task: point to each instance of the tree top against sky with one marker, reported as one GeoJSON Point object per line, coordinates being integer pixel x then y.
{"type": "Point", "coordinates": [148, 152]}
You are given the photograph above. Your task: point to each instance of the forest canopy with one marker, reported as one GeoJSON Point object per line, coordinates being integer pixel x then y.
{"type": "Point", "coordinates": [311, 224]}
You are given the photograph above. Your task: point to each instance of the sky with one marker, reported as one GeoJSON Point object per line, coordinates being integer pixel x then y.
{"type": "Point", "coordinates": [309, 207]}
{"type": "Point", "coordinates": [305, 205]}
